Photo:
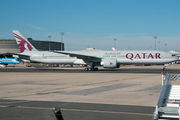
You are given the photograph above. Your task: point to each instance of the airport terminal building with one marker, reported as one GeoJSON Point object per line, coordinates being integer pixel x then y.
{"type": "Point", "coordinates": [10, 45]}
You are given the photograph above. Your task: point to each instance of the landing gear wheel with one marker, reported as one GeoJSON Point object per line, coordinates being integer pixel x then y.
{"type": "Point", "coordinates": [164, 69]}
{"type": "Point", "coordinates": [86, 69]}
{"type": "Point", "coordinates": [92, 69]}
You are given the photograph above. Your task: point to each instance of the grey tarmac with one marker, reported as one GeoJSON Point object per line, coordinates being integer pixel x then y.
{"type": "Point", "coordinates": [130, 92]}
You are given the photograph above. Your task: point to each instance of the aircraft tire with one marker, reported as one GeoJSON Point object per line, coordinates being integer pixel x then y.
{"type": "Point", "coordinates": [86, 69]}
{"type": "Point", "coordinates": [92, 69]}
{"type": "Point", "coordinates": [164, 69]}
{"type": "Point", "coordinates": [96, 69]}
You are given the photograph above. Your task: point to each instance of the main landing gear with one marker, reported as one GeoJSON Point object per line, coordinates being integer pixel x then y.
{"type": "Point", "coordinates": [91, 68]}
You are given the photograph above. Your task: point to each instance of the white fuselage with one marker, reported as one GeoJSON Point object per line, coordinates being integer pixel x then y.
{"type": "Point", "coordinates": [122, 57]}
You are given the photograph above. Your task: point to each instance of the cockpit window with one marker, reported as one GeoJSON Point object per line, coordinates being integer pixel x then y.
{"type": "Point", "coordinates": [173, 55]}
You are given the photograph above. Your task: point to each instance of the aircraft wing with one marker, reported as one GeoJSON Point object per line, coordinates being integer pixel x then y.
{"type": "Point", "coordinates": [78, 55]}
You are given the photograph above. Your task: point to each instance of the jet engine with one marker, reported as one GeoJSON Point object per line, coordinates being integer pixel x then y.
{"type": "Point", "coordinates": [110, 63]}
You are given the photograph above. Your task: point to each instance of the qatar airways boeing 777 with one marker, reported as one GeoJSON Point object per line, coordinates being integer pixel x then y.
{"type": "Point", "coordinates": [91, 58]}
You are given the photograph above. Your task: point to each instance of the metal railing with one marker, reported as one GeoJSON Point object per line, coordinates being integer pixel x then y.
{"type": "Point", "coordinates": [164, 108]}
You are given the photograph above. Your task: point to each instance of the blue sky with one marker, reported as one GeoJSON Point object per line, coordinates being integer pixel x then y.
{"type": "Point", "coordinates": [95, 23]}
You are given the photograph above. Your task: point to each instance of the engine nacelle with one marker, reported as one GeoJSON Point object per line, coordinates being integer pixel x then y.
{"type": "Point", "coordinates": [110, 63]}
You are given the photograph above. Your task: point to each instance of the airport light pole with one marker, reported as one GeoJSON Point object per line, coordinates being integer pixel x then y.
{"type": "Point", "coordinates": [62, 33]}
{"type": "Point", "coordinates": [115, 43]}
{"type": "Point", "coordinates": [158, 45]}
{"type": "Point", "coordinates": [155, 37]}
{"type": "Point", "coordinates": [49, 43]}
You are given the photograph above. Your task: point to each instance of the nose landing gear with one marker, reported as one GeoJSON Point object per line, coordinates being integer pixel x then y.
{"type": "Point", "coordinates": [165, 65]}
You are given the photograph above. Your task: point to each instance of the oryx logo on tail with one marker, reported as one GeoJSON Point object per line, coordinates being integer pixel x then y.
{"type": "Point", "coordinates": [23, 44]}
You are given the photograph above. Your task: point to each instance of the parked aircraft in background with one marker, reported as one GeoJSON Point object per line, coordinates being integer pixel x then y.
{"type": "Point", "coordinates": [91, 58]}
{"type": "Point", "coordinates": [5, 61]}
{"type": "Point", "coordinates": [175, 53]}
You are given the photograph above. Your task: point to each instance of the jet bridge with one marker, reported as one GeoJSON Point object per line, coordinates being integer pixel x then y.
{"type": "Point", "coordinates": [168, 105]}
